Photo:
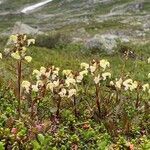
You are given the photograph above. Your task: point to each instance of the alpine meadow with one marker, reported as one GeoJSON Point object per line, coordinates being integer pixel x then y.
{"type": "Point", "coordinates": [74, 75]}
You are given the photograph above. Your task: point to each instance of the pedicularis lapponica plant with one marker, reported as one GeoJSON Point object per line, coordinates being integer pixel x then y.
{"type": "Point", "coordinates": [92, 92]}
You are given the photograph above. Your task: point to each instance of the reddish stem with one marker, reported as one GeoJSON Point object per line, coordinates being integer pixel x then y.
{"type": "Point", "coordinates": [97, 99]}
{"type": "Point", "coordinates": [75, 108]}
{"type": "Point", "coordinates": [19, 86]}
{"type": "Point", "coordinates": [32, 109]}
{"type": "Point", "coordinates": [58, 106]}
{"type": "Point", "coordinates": [137, 100]}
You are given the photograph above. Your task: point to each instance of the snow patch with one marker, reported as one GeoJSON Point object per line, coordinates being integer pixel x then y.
{"type": "Point", "coordinates": [35, 6]}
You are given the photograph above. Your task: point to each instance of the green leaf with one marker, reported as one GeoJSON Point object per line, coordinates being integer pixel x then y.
{"type": "Point", "coordinates": [2, 146]}
{"type": "Point", "coordinates": [36, 145]}
{"type": "Point", "coordinates": [41, 138]}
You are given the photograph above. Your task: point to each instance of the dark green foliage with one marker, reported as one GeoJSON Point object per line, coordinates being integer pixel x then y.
{"type": "Point", "coordinates": [52, 40]}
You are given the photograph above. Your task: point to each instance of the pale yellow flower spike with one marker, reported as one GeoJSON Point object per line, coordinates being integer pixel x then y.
{"type": "Point", "coordinates": [104, 63]}
{"type": "Point", "coordinates": [105, 75]}
{"type": "Point", "coordinates": [63, 92]}
{"type": "Point", "coordinates": [1, 56]}
{"type": "Point", "coordinates": [13, 38]}
{"type": "Point", "coordinates": [31, 41]}
{"type": "Point", "coordinates": [145, 87]}
{"type": "Point", "coordinates": [72, 92]}
{"type": "Point", "coordinates": [148, 75]}
{"type": "Point", "coordinates": [26, 85]}
{"type": "Point", "coordinates": [16, 55]}
{"type": "Point", "coordinates": [28, 58]}
{"type": "Point", "coordinates": [97, 79]}
{"type": "Point", "coordinates": [148, 60]}
{"type": "Point", "coordinates": [84, 66]}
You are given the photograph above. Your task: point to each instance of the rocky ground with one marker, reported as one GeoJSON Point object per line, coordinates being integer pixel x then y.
{"type": "Point", "coordinates": [84, 20]}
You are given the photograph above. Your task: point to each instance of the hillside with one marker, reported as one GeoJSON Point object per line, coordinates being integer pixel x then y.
{"type": "Point", "coordinates": [81, 17]}
{"type": "Point", "coordinates": [74, 75]}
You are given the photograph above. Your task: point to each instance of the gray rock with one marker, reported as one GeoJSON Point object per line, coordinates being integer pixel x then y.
{"type": "Point", "coordinates": [21, 28]}
{"type": "Point", "coordinates": [105, 42]}
{"type": "Point", "coordinates": [129, 7]}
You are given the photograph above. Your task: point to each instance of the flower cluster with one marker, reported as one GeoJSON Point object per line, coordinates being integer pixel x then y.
{"type": "Point", "coordinates": [1, 55]}
{"type": "Point", "coordinates": [19, 44]}
{"type": "Point", "coordinates": [50, 80]}
{"type": "Point", "coordinates": [97, 70]}
{"type": "Point", "coordinates": [127, 84]}
{"type": "Point", "coordinates": [65, 83]}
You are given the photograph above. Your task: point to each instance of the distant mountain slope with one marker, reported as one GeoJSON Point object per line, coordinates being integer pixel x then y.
{"type": "Point", "coordinates": [95, 16]}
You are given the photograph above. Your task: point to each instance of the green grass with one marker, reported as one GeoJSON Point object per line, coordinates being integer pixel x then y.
{"type": "Point", "coordinates": [146, 6]}
{"type": "Point", "coordinates": [72, 55]}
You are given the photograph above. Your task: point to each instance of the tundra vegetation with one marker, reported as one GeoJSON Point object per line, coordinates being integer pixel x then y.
{"type": "Point", "coordinates": [67, 99]}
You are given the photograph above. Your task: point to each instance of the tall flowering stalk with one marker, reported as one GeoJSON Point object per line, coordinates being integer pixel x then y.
{"type": "Point", "coordinates": [97, 70]}
{"type": "Point", "coordinates": [19, 68]}
{"type": "Point", "coordinates": [19, 44]}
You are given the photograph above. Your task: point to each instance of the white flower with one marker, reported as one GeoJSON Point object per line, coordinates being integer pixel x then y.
{"type": "Point", "coordinates": [56, 71]}
{"type": "Point", "coordinates": [56, 83]}
{"type": "Point", "coordinates": [1, 56]}
{"type": "Point", "coordinates": [7, 50]}
{"type": "Point", "coordinates": [105, 75]}
{"type": "Point", "coordinates": [97, 79]}
{"type": "Point", "coordinates": [84, 72]}
{"type": "Point", "coordinates": [66, 72]}
{"type": "Point", "coordinates": [40, 83]}
{"type": "Point", "coordinates": [28, 58]}
{"type": "Point", "coordinates": [145, 87]}
{"type": "Point", "coordinates": [79, 78]}
{"type": "Point", "coordinates": [16, 55]}
{"type": "Point", "coordinates": [31, 41]}
{"type": "Point", "coordinates": [118, 83]}
{"type": "Point", "coordinates": [84, 66]}
{"type": "Point", "coordinates": [24, 49]}
{"type": "Point", "coordinates": [54, 76]}
{"type": "Point", "coordinates": [111, 83]}
{"type": "Point", "coordinates": [92, 68]}
{"type": "Point", "coordinates": [25, 37]}
{"type": "Point", "coordinates": [148, 60]}
{"type": "Point", "coordinates": [26, 85]}
{"type": "Point", "coordinates": [43, 70]}
{"type": "Point", "coordinates": [35, 88]}
{"type": "Point", "coordinates": [47, 74]}
{"type": "Point", "coordinates": [13, 38]}
{"type": "Point", "coordinates": [127, 83]}
{"type": "Point", "coordinates": [134, 85]}
{"type": "Point", "coordinates": [104, 63]}
{"type": "Point", "coordinates": [63, 92]}
{"type": "Point", "coordinates": [72, 92]}
{"type": "Point", "coordinates": [57, 68]}
{"type": "Point", "coordinates": [37, 73]}
{"type": "Point", "coordinates": [50, 86]}
{"type": "Point", "coordinates": [69, 81]}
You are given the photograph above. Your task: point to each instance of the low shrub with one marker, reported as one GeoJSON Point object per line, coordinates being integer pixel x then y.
{"type": "Point", "coordinates": [52, 40]}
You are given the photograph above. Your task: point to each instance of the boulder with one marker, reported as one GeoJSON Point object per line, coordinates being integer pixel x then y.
{"type": "Point", "coordinates": [105, 42]}
{"type": "Point", "coordinates": [21, 28]}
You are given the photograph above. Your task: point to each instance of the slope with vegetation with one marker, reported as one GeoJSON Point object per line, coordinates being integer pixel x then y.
{"type": "Point", "coordinates": [65, 90]}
